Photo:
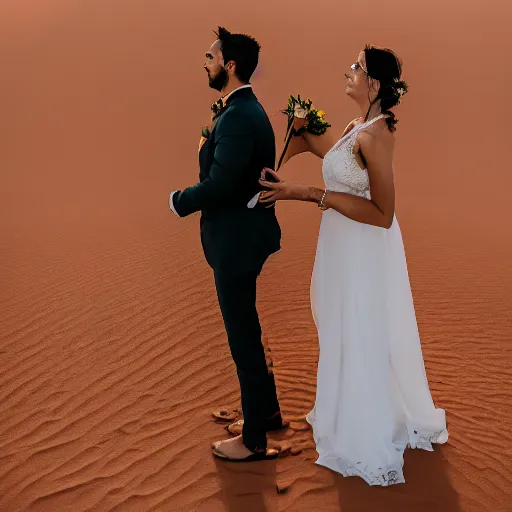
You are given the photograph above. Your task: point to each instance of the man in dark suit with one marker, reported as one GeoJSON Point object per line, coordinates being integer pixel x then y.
{"type": "Point", "coordinates": [237, 239]}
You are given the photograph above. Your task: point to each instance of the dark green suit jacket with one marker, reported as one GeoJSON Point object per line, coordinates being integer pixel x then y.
{"type": "Point", "coordinates": [235, 238]}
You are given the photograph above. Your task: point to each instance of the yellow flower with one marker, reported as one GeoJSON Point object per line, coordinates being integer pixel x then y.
{"type": "Point", "coordinates": [321, 113]}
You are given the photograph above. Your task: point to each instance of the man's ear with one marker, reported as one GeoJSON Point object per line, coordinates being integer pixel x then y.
{"type": "Point", "coordinates": [231, 67]}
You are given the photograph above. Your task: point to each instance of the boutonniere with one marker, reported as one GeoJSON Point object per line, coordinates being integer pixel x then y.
{"type": "Point", "coordinates": [205, 132]}
{"type": "Point", "coordinates": [205, 135]}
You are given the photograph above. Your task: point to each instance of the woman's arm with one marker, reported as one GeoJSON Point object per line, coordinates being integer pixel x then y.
{"type": "Point", "coordinates": [305, 143]}
{"type": "Point", "coordinates": [319, 145]}
{"type": "Point", "coordinates": [377, 151]}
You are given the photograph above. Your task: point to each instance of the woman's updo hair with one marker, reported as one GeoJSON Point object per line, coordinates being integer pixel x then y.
{"type": "Point", "coordinates": [384, 65]}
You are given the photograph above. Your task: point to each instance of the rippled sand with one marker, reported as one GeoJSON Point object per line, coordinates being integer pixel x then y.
{"type": "Point", "coordinates": [112, 349]}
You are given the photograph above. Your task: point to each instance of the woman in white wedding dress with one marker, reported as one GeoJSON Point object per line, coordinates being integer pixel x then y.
{"type": "Point", "coordinates": [373, 398]}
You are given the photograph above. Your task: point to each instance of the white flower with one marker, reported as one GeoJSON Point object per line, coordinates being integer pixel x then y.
{"type": "Point", "coordinates": [300, 112]}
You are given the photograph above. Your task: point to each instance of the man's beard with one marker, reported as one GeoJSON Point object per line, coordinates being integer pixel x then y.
{"type": "Point", "coordinates": [219, 81]}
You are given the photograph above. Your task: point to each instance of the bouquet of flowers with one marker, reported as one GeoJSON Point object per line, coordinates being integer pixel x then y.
{"type": "Point", "coordinates": [314, 121]}
{"type": "Point", "coordinates": [302, 117]}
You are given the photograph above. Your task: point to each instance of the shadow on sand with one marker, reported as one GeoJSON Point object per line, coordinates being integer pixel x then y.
{"type": "Point", "coordinates": [427, 488]}
{"type": "Point", "coordinates": [248, 487]}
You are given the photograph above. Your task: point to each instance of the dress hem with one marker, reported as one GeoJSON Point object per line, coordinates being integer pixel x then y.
{"type": "Point", "coordinates": [384, 477]}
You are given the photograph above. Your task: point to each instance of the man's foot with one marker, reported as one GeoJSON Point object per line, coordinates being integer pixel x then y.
{"type": "Point", "coordinates": [273, 425]}
{"type": "Point", "coordinates": [234, 450]}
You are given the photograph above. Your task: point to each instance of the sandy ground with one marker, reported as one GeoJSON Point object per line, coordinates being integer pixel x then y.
{"type": "Point", "coordinates": [112, 349]}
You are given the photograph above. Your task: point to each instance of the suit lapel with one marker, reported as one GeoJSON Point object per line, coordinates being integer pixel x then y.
{"type": "Point", "coordinates": [215, 120]}
{"type": "Point", "coordinates": [205, 158]}
{"type": "Point", "coordinates": [203, 139]}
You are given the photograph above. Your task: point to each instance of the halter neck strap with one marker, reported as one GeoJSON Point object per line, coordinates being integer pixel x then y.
{"type": "Point", "coordinates": [357, 128]}
{"type": "Point", "coordinates": [368, 123]}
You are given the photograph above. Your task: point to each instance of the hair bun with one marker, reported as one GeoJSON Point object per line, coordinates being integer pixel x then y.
{"type": "Point", "coordinates": [400, 87]}
{"type": "Point", "coordinates": [383, 64]}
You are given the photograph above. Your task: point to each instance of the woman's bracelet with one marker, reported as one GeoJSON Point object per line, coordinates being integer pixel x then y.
{"type": "Point", "coordinates": [321, 203]}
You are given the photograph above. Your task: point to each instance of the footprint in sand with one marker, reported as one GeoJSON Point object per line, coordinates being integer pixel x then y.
{"type": "Point", "coordinates": [226, 414]}
{"type": "Point", "coordinates": [235, 428]}
{"type": "Point", "coordinates": [286, 448]}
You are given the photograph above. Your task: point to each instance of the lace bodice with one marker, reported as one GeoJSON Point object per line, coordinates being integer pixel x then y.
{"type": "Point", "coordinates": [340, 169]}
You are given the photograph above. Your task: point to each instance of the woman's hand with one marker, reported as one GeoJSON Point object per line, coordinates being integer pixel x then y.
{"type": "Point", "coordinates": [281, 190]}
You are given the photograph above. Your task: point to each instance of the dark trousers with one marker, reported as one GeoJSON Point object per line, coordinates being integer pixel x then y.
{"type": "Point", "coordinates": [237, 301]}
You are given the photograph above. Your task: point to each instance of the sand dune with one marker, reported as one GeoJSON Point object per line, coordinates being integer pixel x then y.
{"type": "Point", "coordinates": [112, 349]}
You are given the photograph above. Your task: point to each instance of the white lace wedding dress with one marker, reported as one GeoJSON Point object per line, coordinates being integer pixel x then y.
{"type": "Point", "coordinates": [372, 397]}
